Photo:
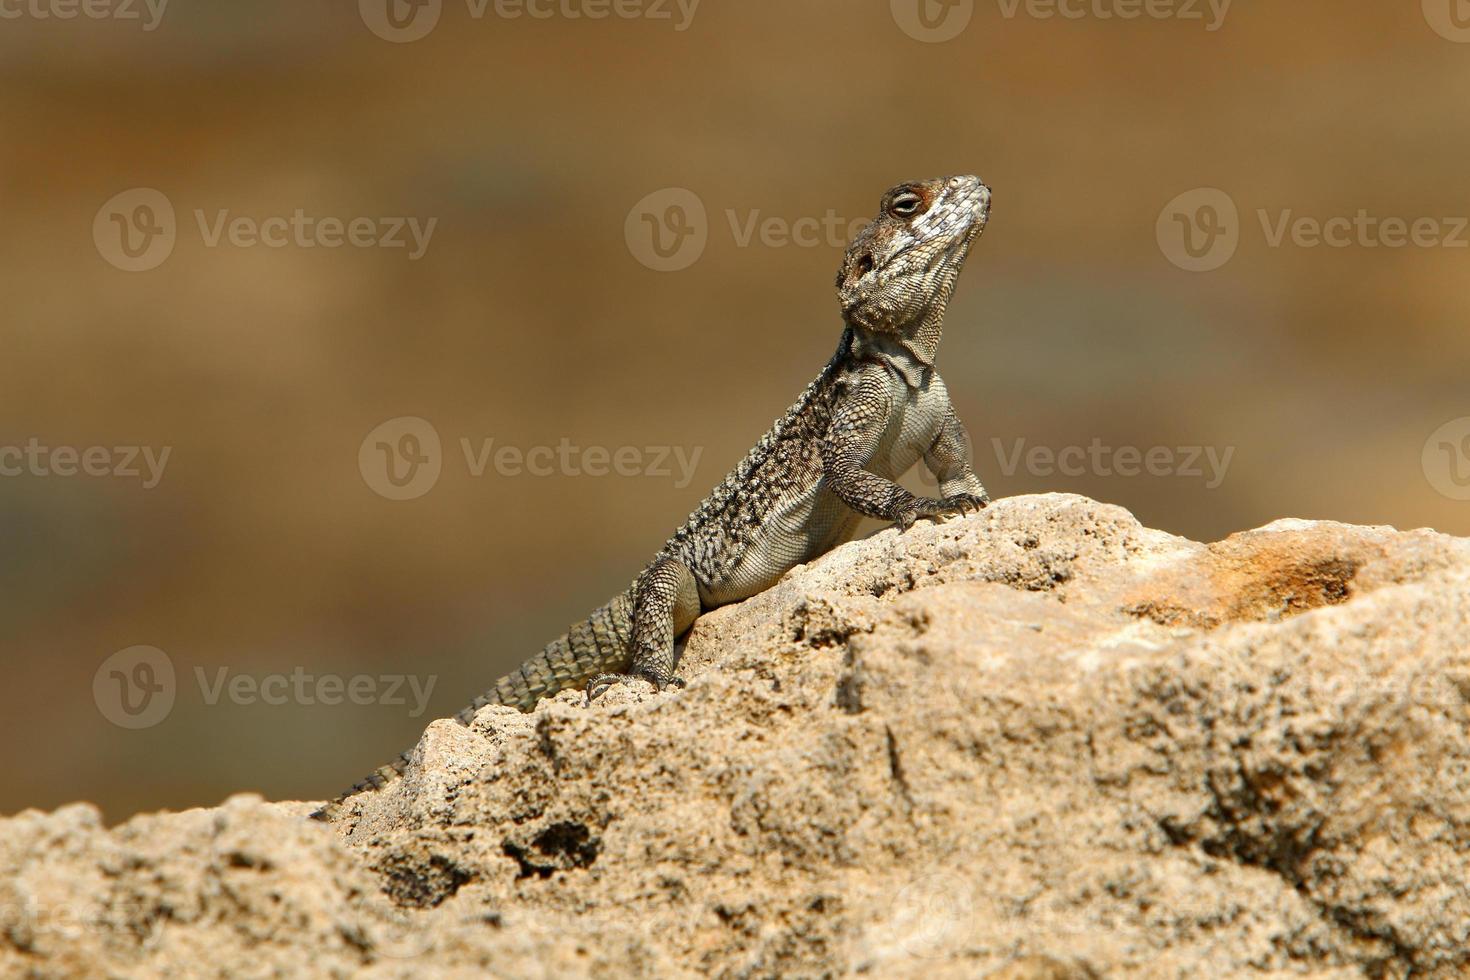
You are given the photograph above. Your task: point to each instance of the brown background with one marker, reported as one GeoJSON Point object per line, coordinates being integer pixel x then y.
{"type": "Point", "coordinates": [529, 319]}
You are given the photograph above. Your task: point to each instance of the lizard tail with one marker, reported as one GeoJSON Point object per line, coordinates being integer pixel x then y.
{"type": "Point", "coordinates": [600, 644]}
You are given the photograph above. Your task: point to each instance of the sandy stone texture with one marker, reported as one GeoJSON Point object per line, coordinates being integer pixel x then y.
{"type": "Point", "coordinates": [1040, 742]}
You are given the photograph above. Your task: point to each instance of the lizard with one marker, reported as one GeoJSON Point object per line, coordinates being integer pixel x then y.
{"type": "Point", "coordinates": [876, 409]}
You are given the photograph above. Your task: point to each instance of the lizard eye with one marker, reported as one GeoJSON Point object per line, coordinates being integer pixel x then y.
{"type": "Point", "coordinates": [905, 205]}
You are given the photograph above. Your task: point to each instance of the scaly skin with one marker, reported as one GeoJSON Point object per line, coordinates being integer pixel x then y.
{"type": "Point", "coordinates": [877, 408]}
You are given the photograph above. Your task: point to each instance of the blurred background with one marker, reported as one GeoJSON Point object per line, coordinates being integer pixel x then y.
{"type": "Point", "coordinates": [628, 228]}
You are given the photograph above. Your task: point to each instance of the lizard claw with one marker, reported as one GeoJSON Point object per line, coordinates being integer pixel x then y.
{"type": "Point", "coordinates": [966, 503]}
{"type": "Point", "coordinates": [600, 684]}
{"type": "Point", "coordinates": [920, 507]}
{"type": "Point", "coordinates": [960, 503]}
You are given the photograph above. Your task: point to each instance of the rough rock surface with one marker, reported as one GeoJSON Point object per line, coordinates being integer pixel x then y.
{"type": "Point", "coordinates": [1040, 742]}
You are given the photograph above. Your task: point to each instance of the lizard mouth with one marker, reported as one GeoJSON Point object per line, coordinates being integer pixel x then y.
{"type": "Point", "coordinates": [978, 222]}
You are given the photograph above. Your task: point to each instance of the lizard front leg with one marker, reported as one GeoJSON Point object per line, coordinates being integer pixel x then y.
{"type": "Point", "coordinates": [665, 604]}
{"type": "Point", "coordinates": [864, 403]}
{"type": "Point", "coordinates": [950, 461]}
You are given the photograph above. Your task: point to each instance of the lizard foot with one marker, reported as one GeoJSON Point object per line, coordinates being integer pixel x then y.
{"type": "Point", "coordinates": [961, 503]}
{"type": "Point", "coordinates": [966, 503]}
{"type": "Point", "coordinates": [600, 684]}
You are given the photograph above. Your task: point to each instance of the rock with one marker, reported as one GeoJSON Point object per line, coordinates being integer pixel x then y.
{"type": "Point", "coordinates": [1043, 741]}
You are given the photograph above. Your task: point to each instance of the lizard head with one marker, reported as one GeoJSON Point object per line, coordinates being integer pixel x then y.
{"type": "Point", "coordinates": [901, 268]}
